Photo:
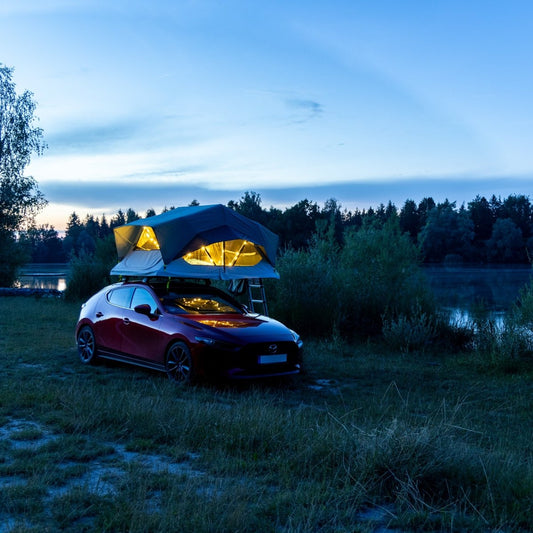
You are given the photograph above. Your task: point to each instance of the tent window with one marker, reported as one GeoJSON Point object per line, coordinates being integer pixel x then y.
{"type": "Point", "coordinates": [237, 252]}
{"type": "Point", "coordinates": [147, 241]}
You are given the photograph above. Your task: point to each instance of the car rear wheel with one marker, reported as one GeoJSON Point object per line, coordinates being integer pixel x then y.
{"type": "Point", "coordinates": [178, 363]}
{"type": "Point", "coordinates": [86, 346]}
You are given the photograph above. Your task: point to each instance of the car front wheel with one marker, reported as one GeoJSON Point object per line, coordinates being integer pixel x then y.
{"type": "Point", "coordinates": [86, 346]}
{"type": "Point", "coordinates": [178, 363]}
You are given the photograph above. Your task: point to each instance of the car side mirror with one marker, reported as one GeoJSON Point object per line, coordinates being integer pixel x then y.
{"type": "Point", "coordinates": [143, 309]}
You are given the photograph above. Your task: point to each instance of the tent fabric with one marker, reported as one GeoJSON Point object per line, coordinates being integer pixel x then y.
{"type": "Point", "coordinates": [178, 231]}
{"type": "Point", "coordinates": [186, 229]}
{"type": "Point", "coordinates": [150, 264]}
{"type": "Point", "coordinates": [140, 263]}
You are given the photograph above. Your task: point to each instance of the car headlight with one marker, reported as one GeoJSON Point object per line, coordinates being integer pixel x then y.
{"type": "Point", "coordinates": [205, 340]}
{"type": "Point", "coordinates": [299, 342]}
{"type": "Point", "coordinates": [215, 343]}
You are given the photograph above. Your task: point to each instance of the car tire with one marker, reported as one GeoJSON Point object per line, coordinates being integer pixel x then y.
{"type": "Point", "coordinates": [178, 363]}
{"type": "Point", "coordinates": [86, 346]}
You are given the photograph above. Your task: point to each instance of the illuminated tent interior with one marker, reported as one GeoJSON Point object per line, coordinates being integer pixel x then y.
{"type": "Point", "coordinates": [211, 242]}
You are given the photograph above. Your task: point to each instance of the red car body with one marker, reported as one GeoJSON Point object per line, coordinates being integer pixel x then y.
{"type": "Point", "coordinates": [185, 330]}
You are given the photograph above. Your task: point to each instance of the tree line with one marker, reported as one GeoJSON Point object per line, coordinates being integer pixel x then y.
{"type": "Point", "coordinates": [482, 231]}
{"type": "Point", "coordinates": [495, 230]}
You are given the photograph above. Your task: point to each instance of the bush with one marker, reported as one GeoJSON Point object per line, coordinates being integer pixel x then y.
{"type": "Point", "coordinates": [502, 345]}
{"type": "Point", "coordinates": [522, 311]}
{"type": "Point", "coordinates": [327, 290]}
{"type": "Point", "coordinates": [306, 297]}
{"type": "Point", "coordinates": [12, 257]}
{"type": "Point", "coordinates": [90, 272]}
{"type": "Point", "coordinates": [453, 335]}
{"type": "Point", "coordinates": [410, 332]}
{"type": "Point", "coordinates": [381, 280]}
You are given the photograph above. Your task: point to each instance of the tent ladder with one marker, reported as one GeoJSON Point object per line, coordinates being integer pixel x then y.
{"type": "Point", "coordinates": [256, 295]}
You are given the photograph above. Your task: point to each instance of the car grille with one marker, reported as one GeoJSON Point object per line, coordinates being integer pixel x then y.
{"type": "Point", "coordinates": [247, 358]}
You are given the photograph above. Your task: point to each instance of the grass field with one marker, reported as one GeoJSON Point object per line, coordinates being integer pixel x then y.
{"type": "Point", "coordinates": [365, 439]}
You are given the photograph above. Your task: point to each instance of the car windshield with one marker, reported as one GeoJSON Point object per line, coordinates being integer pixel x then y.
{"type": "Point", "coordinates": [198, 304]}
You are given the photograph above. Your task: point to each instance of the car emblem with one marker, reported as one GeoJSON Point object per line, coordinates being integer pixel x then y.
{"type": "Point", "coordinates": [273, 348]}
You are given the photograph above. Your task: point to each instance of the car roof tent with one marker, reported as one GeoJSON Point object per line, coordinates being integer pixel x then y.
{"type": "Point", "coordinates": [204, 242]}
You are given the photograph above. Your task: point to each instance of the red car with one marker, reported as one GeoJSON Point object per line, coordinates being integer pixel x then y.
{"type": "Point", "coordinates": [187, 330]}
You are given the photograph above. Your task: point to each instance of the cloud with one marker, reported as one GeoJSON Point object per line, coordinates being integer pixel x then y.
{"type": "Point", "coordinates": [111, 196]}
{"type": "Point", "coordinates": [100, 138]}
{"type": "Point", "coordinates": [304, 109]}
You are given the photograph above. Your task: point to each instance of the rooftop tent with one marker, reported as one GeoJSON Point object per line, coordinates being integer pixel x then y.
{"type": "Point", "coordinates": [210, 241]}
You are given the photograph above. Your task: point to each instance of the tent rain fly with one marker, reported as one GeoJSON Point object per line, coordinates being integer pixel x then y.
{"type": "Point", "coordinates": [211, 242]}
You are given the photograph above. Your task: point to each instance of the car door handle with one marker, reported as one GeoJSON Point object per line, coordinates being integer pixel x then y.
{"type": "Point", "coordinates": [126, 321]}
{"type": "Point", "coordinates": [99, 314]}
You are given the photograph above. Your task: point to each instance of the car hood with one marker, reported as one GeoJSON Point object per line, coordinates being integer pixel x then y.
{"type": "Point", "coordinates": [245, 326]}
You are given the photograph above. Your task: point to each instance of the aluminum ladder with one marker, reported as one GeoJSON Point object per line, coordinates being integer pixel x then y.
{"type": "Point", "coordinates": [256, 295]}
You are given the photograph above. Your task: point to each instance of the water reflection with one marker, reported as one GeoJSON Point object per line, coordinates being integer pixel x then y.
{"type": "Point", "coordinates": [43, 276]}
{"type": "Point", "coordinates": [466, 317]}
{"type": "Point", "coordinates": [42, 282]}
{"type": "Point", "coordinates": [464, 291]}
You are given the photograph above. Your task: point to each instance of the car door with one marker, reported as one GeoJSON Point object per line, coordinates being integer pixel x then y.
{"type": "Point", "coordinates": [141, 335]}
{"type": "Point", "coordinates": [109, 316]}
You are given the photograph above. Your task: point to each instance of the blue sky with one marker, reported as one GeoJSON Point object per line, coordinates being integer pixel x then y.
{"type": "Point", "coordinates": [153, 104]}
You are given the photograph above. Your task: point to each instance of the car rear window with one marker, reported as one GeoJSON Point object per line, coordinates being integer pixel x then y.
{"type": "Point", "coordinates": [120, 297]}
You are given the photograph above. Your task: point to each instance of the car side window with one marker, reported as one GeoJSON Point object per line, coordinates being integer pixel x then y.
{"type": "Point", "coordinates": [120, 297]}
{"type": "Point", "coordinates": [142, 296]}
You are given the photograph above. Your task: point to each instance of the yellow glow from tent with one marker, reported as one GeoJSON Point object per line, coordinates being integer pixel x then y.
{"type": "Point", "coordinates": [237, 252]}
{"type": "Point", "coordinates": [147, 241]}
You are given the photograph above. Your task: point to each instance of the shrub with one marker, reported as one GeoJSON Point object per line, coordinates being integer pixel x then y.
{"type": "Point", "coordinates": [90, 272]}
{"type": "Point", "coordinates": [453, 335]}
{"type": "Point", "coordinates": [327, 290]}
{"type": "Point", "coordinates": [380, 280]}
{"type": "Point", "coordinates": [505, 343]}
{"type": "Point", "coordinates": [502, 345]}
{"type": "Point", "coordinates": [406, 333]}
{"type": "Point", "coordinates": [12, 257]}
{"type": "Point", "coordinates": [522, 311]}
{"type": "Point", "coordinates": [306, 297]}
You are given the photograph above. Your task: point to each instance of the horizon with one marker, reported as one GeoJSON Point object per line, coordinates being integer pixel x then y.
{"type": "Point", "coordinates": [142, 212]}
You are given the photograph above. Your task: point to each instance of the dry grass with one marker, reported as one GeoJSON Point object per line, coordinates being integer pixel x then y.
{"type": "Point", "coordinates": [365, 438]}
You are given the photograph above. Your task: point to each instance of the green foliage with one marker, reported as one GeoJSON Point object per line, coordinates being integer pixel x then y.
{"type": "Point", "coordinates": [443, 231]}
{"type": "Point", "coordinates": [506, 244]}
{"type": "Point", "coordinates": [413, 332]}
{"type": "Point", "coordinates": [502, 346]}
{"type": "Point", "coordinates": [328, 289]}
{"type": "Point", "coordinates": [453, 336]}
{"type": "Point", "coordinates": [89, 272]}
{"type": "Point", "coordinates": [44, 244]}
{"type": "Point", "coordinates": [446, 232]}
{"type": "Point", "coordinates": [522, 311]}
{"type": "Point", "coordinates": [12, 257]}
{"type": "Point", "coordinates": [409, 219]}
{"type": "Point", "coordinates": [482, 217]}
{"type": "Point", "coordinates": [506, 344]}
{"type": "Point", "coordinates": [20, 198]}
{"type": "Point", "coordinates": [380, 278]}
{"type": "Point", "coordinates": [19, 139]}
{"type": "Point", "coordinates": [306, 297]}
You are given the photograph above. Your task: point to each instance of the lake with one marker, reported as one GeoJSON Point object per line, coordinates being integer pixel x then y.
{"type": "Point", "coordinates": [43, 276]}
{"type": "Point", "coordinates": [456, 288]}
{"type": "Point", "coordinates": [460, 288]}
